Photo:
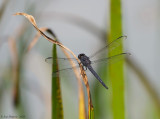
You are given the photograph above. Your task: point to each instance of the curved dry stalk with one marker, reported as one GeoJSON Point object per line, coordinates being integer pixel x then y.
{"type": "Point", "coordinates": [81, 92]}
{"type": "Point", "coordinates": [83, 74]}
{"type": "Point", "coordinates": [15, 62]}
{"type": "Point", "coordinates": [81, 96]}
{"type": "Point", "coordinates": [15, 69]}
{"type": "Point", "coordinates": [14, 55]}
{"type": "Point", "coordinates": [32, 20]}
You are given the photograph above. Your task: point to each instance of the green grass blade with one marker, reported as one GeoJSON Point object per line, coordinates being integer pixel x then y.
{"type": "Point", "coordinates": [116, 70]}
{"type": "Point", "coordinates": [57, 107]}
{"type": "Point", "coordinates": [92, 113]}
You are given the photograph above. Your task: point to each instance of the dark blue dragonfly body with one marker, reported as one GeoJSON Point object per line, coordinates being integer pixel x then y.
{"type": "Point", "coordinates": [87, 64]}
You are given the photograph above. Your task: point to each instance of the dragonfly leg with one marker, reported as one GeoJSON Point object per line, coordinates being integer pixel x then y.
{"type": "Point", "coordinates": [84, 67]}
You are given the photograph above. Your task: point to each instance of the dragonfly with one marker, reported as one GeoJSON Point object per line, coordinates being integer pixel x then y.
{"type": "Point", "coordinates": [87, 63]}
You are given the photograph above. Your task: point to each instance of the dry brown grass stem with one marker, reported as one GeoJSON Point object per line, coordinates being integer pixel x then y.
{"type": "Point", "coordinates": [15, 69]}
{"type": "Point", "coordinates": [81, 91]}
{"type": "Point", "coordinates": [14, 56]}
{"type": "Point", "coordinates": [83, 74]}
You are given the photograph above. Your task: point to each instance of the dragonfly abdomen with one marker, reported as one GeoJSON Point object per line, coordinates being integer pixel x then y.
{"type": "Point", "coordinates": [97, 77]}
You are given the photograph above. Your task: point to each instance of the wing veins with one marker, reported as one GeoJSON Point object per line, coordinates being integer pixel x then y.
{"type": "Point", "coordinates": [58, 59]}
{"type": "Point", "coordinates": [66, 68]}
{"type": "Point", "coordinates": [110, 44]}
{"type": "Point", "coordinates": [109, 58]}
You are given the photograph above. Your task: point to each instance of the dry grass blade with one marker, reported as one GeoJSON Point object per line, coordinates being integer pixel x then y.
{"type": "Point", "coordinates": [90, 105]}
{"type": "Point", "coordinates": [14, 54]}
{"type": "Point", "coordinates": [16, 62]}
{"type": "Point", "coordinates": [32, 20]}
{"type": "Point", "coordinates": [82, 112]}
{"type": "Point", "coordinates": [83, 74]}
{"type": "Point", "coordinates": [56, 98]}
{"type": "Point", "coordinates": [81, 98]}
{"type": "Point", "coordinates": [15, 69]}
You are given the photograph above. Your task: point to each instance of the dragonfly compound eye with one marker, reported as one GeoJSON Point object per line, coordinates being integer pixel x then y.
{"type": "Point", "coordinates": [79, 56]}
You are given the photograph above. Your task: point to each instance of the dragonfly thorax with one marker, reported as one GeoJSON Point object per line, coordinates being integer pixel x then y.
{"type": "Point", "coordinates": [84, 59]}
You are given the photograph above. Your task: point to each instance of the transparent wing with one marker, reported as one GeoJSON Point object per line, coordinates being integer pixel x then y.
{"type": "Point", "coordinates": [50, 60]}
{"type": "Point", "coordinates": [111, 46]}
{"type": "Point", "coordinates": [111, 59]}
{"type": "Point", "coordinates": [63, 62]}
{"type": "Point", "coordinates": [65, 71]}
{"type": "Point", "coordinates": [64, 65]}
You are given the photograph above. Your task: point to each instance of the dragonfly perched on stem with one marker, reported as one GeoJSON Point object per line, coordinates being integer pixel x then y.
{"type": "Point", "coordinates": [87, 63]}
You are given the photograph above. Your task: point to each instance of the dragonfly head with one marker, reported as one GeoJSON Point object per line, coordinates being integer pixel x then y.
{"type": "Point", "coordinates": [81, 55]}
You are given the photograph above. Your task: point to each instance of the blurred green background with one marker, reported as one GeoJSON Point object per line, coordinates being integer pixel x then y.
{"type": "Point", "coordinates": [82, 26]}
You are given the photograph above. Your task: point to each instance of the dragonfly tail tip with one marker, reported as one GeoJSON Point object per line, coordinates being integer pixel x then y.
{"type": "Point", "coordinates": [106, 87]}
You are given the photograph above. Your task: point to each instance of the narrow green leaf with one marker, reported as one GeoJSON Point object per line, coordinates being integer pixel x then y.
{"type": "Point", "coordinates": [57, 108]}
{"type": "Point", "coordinates": [116, 70]}
{"type": "Point", "coordinates": [92, 113]}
